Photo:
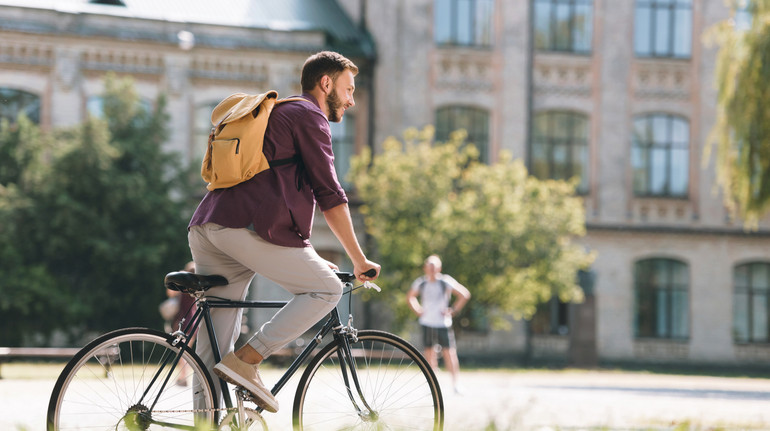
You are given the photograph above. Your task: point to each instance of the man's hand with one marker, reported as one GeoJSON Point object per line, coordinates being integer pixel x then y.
{"type": "Point", "coordinates": [366, 270]}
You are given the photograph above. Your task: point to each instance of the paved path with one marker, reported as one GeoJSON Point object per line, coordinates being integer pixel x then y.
{"type": "Point", "coordinates": [529, 400]}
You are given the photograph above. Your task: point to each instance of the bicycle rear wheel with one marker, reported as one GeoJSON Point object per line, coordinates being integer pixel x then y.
{"type": "Point", "coordinates": [396, 382]}
{"type": "Point", "coordinates": [126, 380]}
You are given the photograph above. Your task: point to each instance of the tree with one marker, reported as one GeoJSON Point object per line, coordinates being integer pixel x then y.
{"type": "Point", "coordinates": [92, 221]}
{"type": "Point", "coordinates": [505, 235]}
{"type": "Point", "coordinates": [741, 133]}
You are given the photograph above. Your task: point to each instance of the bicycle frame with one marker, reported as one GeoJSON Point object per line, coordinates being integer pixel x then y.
{"type": "Point", "coordinates": [342, 333]}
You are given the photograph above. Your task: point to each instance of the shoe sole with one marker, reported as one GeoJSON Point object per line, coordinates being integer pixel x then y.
{"type": "Point", "coordinates": [258, 396]}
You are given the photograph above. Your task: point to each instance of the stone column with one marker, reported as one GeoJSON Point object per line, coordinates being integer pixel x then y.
{"type": "Point", "coordinates": [67, 106]}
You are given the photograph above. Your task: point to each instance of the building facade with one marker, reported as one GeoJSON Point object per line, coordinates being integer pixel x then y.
{"type": "Point", "coordinates": [620, 94]}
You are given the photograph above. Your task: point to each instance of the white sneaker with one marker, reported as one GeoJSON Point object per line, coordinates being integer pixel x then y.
{"type": "Point", "coordinates": [240, 373]}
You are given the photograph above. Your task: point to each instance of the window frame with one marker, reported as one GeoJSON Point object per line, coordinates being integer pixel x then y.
{"type": "Point", "coordinates": [476, 36]}
{"type": "Point", "coordinates": [476, 136]}
{"type": "Point", "coordinates": [25, 102]}
{"type": "Point", "coordinates": [553, 21]}
{"type": "Point", "coordinates": [673, 8]}
{"type": "Point", "coordinates": [647, 294]}
{"type": "Point", "coordinates": [752, 290]}
{"type": "Point", "coordinates": [569, 140]}
{"type": "Point", "coordinates": [643, 154]}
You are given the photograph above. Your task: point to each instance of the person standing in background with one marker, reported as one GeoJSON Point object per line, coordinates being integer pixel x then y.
{"type": "Point", "coordinates": [435, 291]}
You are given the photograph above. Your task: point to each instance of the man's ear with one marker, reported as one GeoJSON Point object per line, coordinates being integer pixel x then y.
{"type": "Point", "coordinates": [326, 84]}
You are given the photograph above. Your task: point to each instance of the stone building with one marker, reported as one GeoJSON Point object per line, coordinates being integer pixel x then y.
{"type": "Point", "coordinates": [619, 93]}
{"type": "Point", "coordinates": [622, 95]}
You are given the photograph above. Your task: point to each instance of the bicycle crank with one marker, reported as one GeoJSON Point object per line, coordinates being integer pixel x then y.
{"type": "Point", "coordinates": [253, 421]}
{"type": "Point", "coordinates": [243, 418]}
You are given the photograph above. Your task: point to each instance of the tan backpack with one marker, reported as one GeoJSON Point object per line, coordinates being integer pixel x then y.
{"type": "Point", "coordinates": [234, 153]}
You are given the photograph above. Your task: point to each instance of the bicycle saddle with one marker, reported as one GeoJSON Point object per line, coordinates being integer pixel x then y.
{"type": "Point", "coordinates": [189, 282]}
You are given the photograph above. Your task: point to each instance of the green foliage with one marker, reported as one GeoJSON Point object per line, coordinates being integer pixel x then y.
{"type": "Point", "coordinates": [501, 233]}
{"type": "Point", "coordinates": [90, 225]}
{"type": "Point", "coordinates": [742, 130]}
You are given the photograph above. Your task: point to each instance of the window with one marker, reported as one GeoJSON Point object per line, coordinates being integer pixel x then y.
{"type": "Point", "coordinates": [463, 22]}
{"type": "Point", "coordinates": [559, 148]}
{"type": "Point", "coordinates": [742, 15]}
{"type": "Point", "coordinates": [564, 25]}
{"type": "Point", "coordinates": [343, 145]}
{"type": "Point", "coordinates": [473, 120]}
{"type": "Point", "coordinates": [551, 318]}
{"type": "Point", "coordinates": [15, 102]}
{"type": "Point", "coordinates": [202, 124]}
{"type": "Point", "coordinates": [750, 302]}
{"type": "Point", "coordinates": [662, 299]}
{"type": "Point", "coordinates": [660, 155]}
{"type": "Point", "coordinates": [663, 28]}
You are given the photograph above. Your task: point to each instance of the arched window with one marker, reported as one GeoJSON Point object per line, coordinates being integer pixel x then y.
{"type": "Point", "coordinates": [663, 28]}
{"type": "Point", "coordinates": [564, 25]}
{"type": "Point", "coordinates": [475, 121]}
{"type": "Point", "coordinates": [343, 145]}
{"type": "Point", "coordinates": [751, 284]}
{"type": "Point", "coordinates": [661, 291]}
{"type": "Point", "coordinates": [660, 155]}
{"type": "Point", "coordinates": [559, 148]}
{"type": "Point", "coordinates": [14, 102]}
{"type": "Point", "coordinates": [463, 22]}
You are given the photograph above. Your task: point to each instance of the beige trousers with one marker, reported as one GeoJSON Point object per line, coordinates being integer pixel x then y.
{"type": "Point", "coordinates": [237, 254]}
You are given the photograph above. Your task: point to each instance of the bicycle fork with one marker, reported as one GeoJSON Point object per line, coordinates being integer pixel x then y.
{"type": "Point", "coordinates": [347, 335]}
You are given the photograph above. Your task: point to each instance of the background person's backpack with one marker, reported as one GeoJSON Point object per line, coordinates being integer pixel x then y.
{"type": "Point", "coordinates": [234, 153]}
{"type": "Point", "coordinates": [444, 286]}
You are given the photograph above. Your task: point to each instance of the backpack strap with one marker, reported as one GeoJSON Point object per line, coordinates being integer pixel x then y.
{"type": "Point", "coordinates": [287, 161]}
{"type": "Point", "coordinates": [444, 285]}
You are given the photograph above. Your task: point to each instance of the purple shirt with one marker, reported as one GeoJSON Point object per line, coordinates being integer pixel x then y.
{"type": "Point", "coordinates": [270, 202]}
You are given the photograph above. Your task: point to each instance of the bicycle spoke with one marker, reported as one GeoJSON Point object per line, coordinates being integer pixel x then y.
{"type": "Point", "coordinates": [102, 392]}
{"type": "Point", "coordinates": [394, 381]}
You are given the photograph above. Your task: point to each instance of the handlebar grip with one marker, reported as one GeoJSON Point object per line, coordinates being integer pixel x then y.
{"type": "Point", "coordinates": [371, 273]}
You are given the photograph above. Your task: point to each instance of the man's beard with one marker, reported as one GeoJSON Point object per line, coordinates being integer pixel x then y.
{"type": "Point", "coordinates": [334, 104]}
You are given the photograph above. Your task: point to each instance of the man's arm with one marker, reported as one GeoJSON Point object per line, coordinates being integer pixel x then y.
{"type": "Point", "coordinates": [339, 221]}
{"type": "Point", "coordinates": [462, 296]}
{"type": "Point", "coordinates": [413, 302]}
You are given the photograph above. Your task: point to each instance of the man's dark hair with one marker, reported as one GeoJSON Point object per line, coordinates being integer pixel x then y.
{"type": "Point", "coordinates": [324, 63]}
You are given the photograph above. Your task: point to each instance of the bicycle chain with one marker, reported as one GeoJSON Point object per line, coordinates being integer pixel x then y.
{"type": "Point", "coordinates": [191, 411]}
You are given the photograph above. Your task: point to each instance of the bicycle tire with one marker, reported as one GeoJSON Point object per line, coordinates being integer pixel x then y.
{"type": "Point", "coordinates": [101, 386]}
{"type": "Point", "coordinates": [396, 380]}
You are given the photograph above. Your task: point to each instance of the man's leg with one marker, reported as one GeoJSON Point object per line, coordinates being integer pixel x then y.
{"type": "Point", "coordinates": [430, 355]}
{"type": "Point", "coordinates": [429, 345]}
{"type": "Point", "coordinates": [449, 347]}
{"type": "Point", "coordinates": [300, 271]}
{"type": "Point", "coordinates": [452, 364]}
{"type": "Point", "coordinates": [227, 321]}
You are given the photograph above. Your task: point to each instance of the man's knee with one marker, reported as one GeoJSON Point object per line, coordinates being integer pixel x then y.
{"type": "Point", "coordinates": [331, 294]}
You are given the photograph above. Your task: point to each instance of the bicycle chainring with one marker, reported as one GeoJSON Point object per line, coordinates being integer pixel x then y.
{"type": "Point", "coordinates": [254, 421]}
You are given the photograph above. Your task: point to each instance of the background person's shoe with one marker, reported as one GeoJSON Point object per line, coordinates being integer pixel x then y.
{"type": "Point", "coordinates": [233, 370]}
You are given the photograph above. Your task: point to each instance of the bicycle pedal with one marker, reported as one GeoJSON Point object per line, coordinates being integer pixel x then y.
{"type": "Point", "coordinates": [242, 393]}
{"type": "Point", "coordinates": [245, 395]}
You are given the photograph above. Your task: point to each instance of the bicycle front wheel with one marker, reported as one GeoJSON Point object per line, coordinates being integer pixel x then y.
{"type": "Point", "coordinates": [129, 379]}
{"type": "Point", "coordinates": [396, 382]}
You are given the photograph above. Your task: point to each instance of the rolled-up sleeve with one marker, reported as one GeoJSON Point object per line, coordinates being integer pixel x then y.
{"type": "Point", "coordinates": [314, 143]}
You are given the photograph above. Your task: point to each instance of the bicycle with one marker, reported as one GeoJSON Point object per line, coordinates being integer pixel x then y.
{"type": "Point", "coordinates": [130, 379]}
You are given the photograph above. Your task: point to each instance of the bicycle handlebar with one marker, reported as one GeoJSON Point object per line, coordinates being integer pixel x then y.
{"type": "Point", "coordinates": [347, 277]}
